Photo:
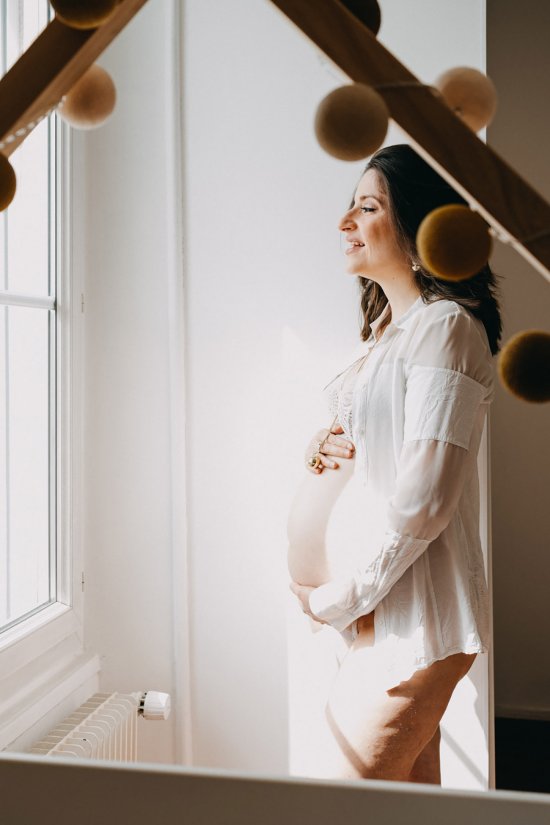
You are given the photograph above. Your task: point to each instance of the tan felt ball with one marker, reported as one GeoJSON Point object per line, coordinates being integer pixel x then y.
{"type": "Point", "coordinates": [470, 94]}
{"type": "Point", "coordinates": [83, 14]}
{"type": "Point", "coordinates": [8, 182]}
{"type": "Point", "coordinates": [367, 11]}
{"type": "Point", "coordinates": [351, 122]}
{"type": "Point", "coordinates": [90, 101]}
{"type": "Point", "coordinates": [453, 242]}
{"type": "Point", "coordinates": [524, 365]}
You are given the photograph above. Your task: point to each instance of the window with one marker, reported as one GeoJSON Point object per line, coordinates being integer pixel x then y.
{"type": "Point", "coordinates": [28, 331]}
{"type": "Point", "coordinates": [43, 665]}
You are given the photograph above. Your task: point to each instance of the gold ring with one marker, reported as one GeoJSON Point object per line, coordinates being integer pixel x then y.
{"type": "Point", "coordinates": [315, 461]}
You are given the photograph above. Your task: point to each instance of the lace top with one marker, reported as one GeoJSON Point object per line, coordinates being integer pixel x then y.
{"type": "Point", "coordinates": [340, 390]}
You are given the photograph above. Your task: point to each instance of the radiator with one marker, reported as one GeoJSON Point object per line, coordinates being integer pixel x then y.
{"type": "Point", "coordinates": [104, 727]}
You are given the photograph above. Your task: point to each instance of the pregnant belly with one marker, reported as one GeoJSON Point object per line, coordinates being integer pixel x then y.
{"type": "Point", "coordinates": [335, 524]}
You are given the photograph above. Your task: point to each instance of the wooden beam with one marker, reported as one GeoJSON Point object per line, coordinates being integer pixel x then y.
{"type": "Point", "coordinates": [50, 67]}
{"type": "Point", "coordinates": [518, 213]}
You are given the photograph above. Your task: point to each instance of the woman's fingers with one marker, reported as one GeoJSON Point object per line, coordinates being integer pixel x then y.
{"type": "Point", "coordinates": [338, 446]}
{"type": "Point", "coordinates": [330, 444]}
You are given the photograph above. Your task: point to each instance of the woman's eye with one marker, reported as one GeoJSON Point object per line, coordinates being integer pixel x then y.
{"type": "Point", "coordinates": [367, 209]}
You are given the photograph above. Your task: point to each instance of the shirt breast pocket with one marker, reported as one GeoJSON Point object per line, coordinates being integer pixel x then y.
{"type": "Point", "coordinates": [441, 404]}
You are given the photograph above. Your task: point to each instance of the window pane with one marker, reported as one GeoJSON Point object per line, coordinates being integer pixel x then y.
{"type": "Point", "coordinates": [24, 225]}
{"type": "Point", "coordinates": [24, 431]}
{"type": "Point", "coordinates": [27, 216]}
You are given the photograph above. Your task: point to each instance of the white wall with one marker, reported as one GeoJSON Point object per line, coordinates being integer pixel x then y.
{"type": "Point", "coordinates": [128, 208]}
{"type": "Point", "coordinates": [270, 316]}
{"type": "Point", "coordinates": [518, 61]}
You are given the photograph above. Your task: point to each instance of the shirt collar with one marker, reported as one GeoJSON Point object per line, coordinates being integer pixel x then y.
{"type": "Point", "coordinates": [405, 319]}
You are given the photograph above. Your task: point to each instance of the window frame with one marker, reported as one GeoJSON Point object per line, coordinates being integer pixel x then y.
{"type": "Point", "coordinates": [54, 634]}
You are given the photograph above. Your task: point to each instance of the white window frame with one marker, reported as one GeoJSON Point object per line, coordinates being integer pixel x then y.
{"type": "Point", "coordinates": [42, 658]}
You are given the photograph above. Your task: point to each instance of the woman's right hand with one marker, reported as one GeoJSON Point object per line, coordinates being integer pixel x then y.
{"type": "Point", "coordinates": [333, 446]}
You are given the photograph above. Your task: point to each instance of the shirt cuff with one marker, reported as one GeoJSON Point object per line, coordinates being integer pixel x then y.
{"type": "Point", "coordinates": [341, 601]}
{"type": "Point", "coordinates": [324, 603]}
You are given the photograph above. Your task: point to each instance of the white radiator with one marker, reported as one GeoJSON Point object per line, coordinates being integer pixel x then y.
{"type": "Point", "coordinates": [104, 727]}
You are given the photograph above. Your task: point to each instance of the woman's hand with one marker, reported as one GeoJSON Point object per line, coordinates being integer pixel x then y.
{"type": "Point", "coordinates": [333, 446]}
{"type": "Point", "coordinates": [303, 592]}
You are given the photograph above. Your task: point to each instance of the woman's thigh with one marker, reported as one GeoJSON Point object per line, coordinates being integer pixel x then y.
{"type": "Point", "coordinates": [381, 733]}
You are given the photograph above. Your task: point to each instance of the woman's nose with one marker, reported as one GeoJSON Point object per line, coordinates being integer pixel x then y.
{"type": "Point", "coordinates": [346, 222]}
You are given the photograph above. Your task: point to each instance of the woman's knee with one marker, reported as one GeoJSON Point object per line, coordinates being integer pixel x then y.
{"type": "Point", "coordinates": [427, 766]}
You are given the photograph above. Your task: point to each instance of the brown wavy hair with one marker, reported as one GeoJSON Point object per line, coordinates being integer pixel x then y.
{"type": "Point", "coordinates": [413, 190]}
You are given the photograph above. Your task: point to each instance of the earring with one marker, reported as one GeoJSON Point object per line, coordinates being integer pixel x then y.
{"type": "Point", "coordinates": [415, 267]}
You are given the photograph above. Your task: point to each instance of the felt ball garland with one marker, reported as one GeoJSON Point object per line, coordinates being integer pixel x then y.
{"type": "Point", "coordinates": [453, 242]}
{"type": "Point", "coordinates": [83, 14]}
{"type": "Point", "coordinates": [351, 122]}
{"type": "Point", "coordinates": [90, 101]}
{"type": "Point", "coordinates": [524, 365]}
{"type": "Point", "coordinates": [470, 94]}
{"type": "Point", "coordinates": [8, 182]}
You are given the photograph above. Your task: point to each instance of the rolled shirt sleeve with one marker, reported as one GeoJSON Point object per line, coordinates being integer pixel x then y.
{"type": "Point", "coordinates": [441, 406]}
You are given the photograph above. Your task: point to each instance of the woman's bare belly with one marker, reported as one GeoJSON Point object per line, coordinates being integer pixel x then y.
{"type": "Point", "coordinates": [334, 525]}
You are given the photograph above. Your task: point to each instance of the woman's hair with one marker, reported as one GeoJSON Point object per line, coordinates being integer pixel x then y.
{"type": "Point", "coordinates": [413, 190]}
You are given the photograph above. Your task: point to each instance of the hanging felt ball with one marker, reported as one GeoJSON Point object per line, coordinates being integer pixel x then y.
{"type": "Point", "coordinates": [453, 242]}
{"type": "Point", "coordinates": [367, 11]}
{"type": "Point", "coordinates": [351, 122]}
{"type": "Point", "coordinates": [83, 14]}
{"type": "Point", "coordinates": [90, 101]}
{"type": "Point", "coordinates": [470, 94]}
{"type": "Point", "coordinates": [8, 182]}
{"type": "Point", "coordinates": [524, 365]}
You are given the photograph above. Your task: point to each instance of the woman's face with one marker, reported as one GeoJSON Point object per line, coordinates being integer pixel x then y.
{"type": "Point", "coordinates": [372, 250]}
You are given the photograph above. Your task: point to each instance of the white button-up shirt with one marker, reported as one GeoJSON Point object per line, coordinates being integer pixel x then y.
{"type": "Point", "coordinates": [416, 415]}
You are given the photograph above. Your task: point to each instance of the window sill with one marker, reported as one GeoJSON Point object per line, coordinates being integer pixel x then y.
{"type": "Point", "coordinates": [23, 629]}
{"type": "Point", "coordinates": [42, 663]}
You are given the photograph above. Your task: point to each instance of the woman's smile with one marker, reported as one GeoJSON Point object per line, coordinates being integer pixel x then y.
{"type": "Point", "coordinates": [353, 246]}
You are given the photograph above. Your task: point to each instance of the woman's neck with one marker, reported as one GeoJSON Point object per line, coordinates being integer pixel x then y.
{"type": "Point", "coordinates": [401, 301]}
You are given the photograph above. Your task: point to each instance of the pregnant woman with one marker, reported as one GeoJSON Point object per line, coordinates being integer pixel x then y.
{"type": "Point", "coordinates": [384, 541]}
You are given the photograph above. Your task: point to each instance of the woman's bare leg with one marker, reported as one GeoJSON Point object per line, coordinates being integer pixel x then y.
{"type": "Point", "coordinates": [427, 768]}
{"type": "Point", "coordinates": [391, 734]}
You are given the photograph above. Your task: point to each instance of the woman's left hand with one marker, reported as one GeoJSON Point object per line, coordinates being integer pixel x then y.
{"type": "Point", "coordinates": [303, 592]}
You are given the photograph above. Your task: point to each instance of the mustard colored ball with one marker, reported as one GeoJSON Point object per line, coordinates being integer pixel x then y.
{"type": "Point", "coordinates": [8, 182]}
{"type": "Point", "coordinates": [453, 242]}
{"type": "Point", "coordinates": [367, 11]}
{"type": "Point", "coordinates": [524, 365]}
{"type": "Point", "coordinates": [470, 94]}
{"type": "Point", "coordinates": [83, 14]}
{"type": "Point", "coordinates": [351, 122]}
{"type": "Point", "coordinates": [90, 101]}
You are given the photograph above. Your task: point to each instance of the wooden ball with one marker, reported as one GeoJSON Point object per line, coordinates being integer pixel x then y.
{"type": "Point", "coordinates": [90, 101]}
{"type": "Point", "coordinates": [8, 182]}
{"type": "Point", "coordinates": [524, 365]}
{"type": "Point", "coordinates": [351, 122]}
{"type": "Point", "coordinates": [470, 94]}
{"type": "Point", "coordinates": [367, 11]}
{"type": "Point", "coordinates": [453, 242]}
{"type": "Point", "coordinates": [83, 14]}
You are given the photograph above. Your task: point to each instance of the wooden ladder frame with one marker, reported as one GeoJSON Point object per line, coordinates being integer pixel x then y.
{"type": "Point", "coordinates": [519, 215]}
{"type": "Point", "coordinates": [50, 67]}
